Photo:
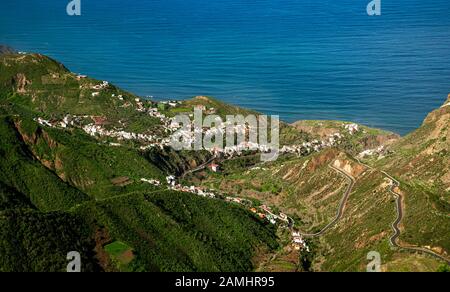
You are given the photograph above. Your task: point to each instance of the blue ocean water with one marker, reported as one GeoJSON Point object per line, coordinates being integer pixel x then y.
{"type": "Point", "coordinates": [301, 59]}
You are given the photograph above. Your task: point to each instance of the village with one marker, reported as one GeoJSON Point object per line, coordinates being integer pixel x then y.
{"type": "Point", "coordinates": [263, 212]}
{"type": "Point", "coordinates": [96, 128]}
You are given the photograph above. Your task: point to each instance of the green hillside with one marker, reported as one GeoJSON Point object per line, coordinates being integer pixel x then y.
{"type": "Point", "coordinates": [168, 231]}
{"type": "Point", "coordinates": [21, 170]}
{"type": "Point", "coordinates": [66, 187]}
{"type": "Point", "coordinates": [62, 190]}
{"type": "Point", "coordinates": [46, 87]}
{"type": "Point", "coordinates": [33, 241]}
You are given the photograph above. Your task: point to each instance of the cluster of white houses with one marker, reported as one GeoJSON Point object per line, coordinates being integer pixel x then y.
{"type": "Point", "coordinates": [99, 87]}
{"type": "Point", "coordinates": [352, 128]}
{"type": "Point", "coordinates": [150, 141]}
{"type": "Point", "coordinates": [67, 121]}
{"type": "Point", "coordinates": [313, 146]}
{"type": "Point", "coordinates": [236, 150]}
{"type": "Point", "coordinates": [154, 182]}
{"type": "Point", "coordinates": [189, 137]}
{"type": "Point", "coordinates": [173, 185]}
{"type": "Point", "coordinates": [264, 212]}
{"type": "Point", "coordinates": [97, 130]}
{"type": "Point", "coordinates": [194, 190]}
{"type": "Point", "coordinates": [372, 152]}
{"type": "Point", "coordinates": [298, 242]}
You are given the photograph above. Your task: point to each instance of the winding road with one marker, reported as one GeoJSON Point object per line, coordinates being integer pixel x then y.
{"type": "Point", "coordinates": [394, 239]}
{"type": "Point", "coordinates": [340, 211]}
{"type": "Point", "coordinates": [395, 225]}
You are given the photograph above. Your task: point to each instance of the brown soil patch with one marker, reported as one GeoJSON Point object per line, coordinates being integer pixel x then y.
{"type": "Point", "coordinates": [102, 238]}
{"type": "Point", "coordinates": [20, 82]}
{"type": "Point", "coordinates": [121, 181]}
{"type": "Point", "coordinates": [126, 257]}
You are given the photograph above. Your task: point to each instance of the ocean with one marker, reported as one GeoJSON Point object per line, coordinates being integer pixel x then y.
{"type": "Point", "coordinates": [300, 59]}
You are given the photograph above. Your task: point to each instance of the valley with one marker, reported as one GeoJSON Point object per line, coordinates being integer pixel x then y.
{"type": "Point", "coordinates": [87, 166]}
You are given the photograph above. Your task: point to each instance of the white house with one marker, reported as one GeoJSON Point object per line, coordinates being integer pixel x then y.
{"type": "Point", "coordinates": [214, 167]}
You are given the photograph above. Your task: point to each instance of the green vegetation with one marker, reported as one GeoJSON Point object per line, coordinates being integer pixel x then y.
{"type": "Point", "coordinates": [61, 189]}
{"type": "Point", "coordinates": [365, 227]}
{"type": "Point", "coordinates": [176, 162]}
{"type": "Point", "coordinates": [365, 138]}
{"type": "Point", "coordinates": [432, 229]}
{"type": "Point", "coordinates": [87, 165]}
{"type": "Point", "coordinates": [121, 254]}
{"type": "Point", "coordinates": [287, 183]}
{"type": "Point", "coordinates": [32, 241]}
{"type": "Point", "coordinates": [75, 185]}
{"type": "Point", "coordinates": [407, 262]}
{"type": "Point", "coordinates": [24, 173]}
{"type": "Point", "coordinates": [211, 106]}
{"type": "Point", "coordinates": [46, 87]}
{"type": "Point", "coordinates": [444, 269]}
{"type": "Point", "coordinates": [306, 258]}
{"type": "Point", "coordinates": [117, 248]}
{"type": "Point", "coordinates": [170, 231]}
{"type": "Point", "coordinates": [11, 199]}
